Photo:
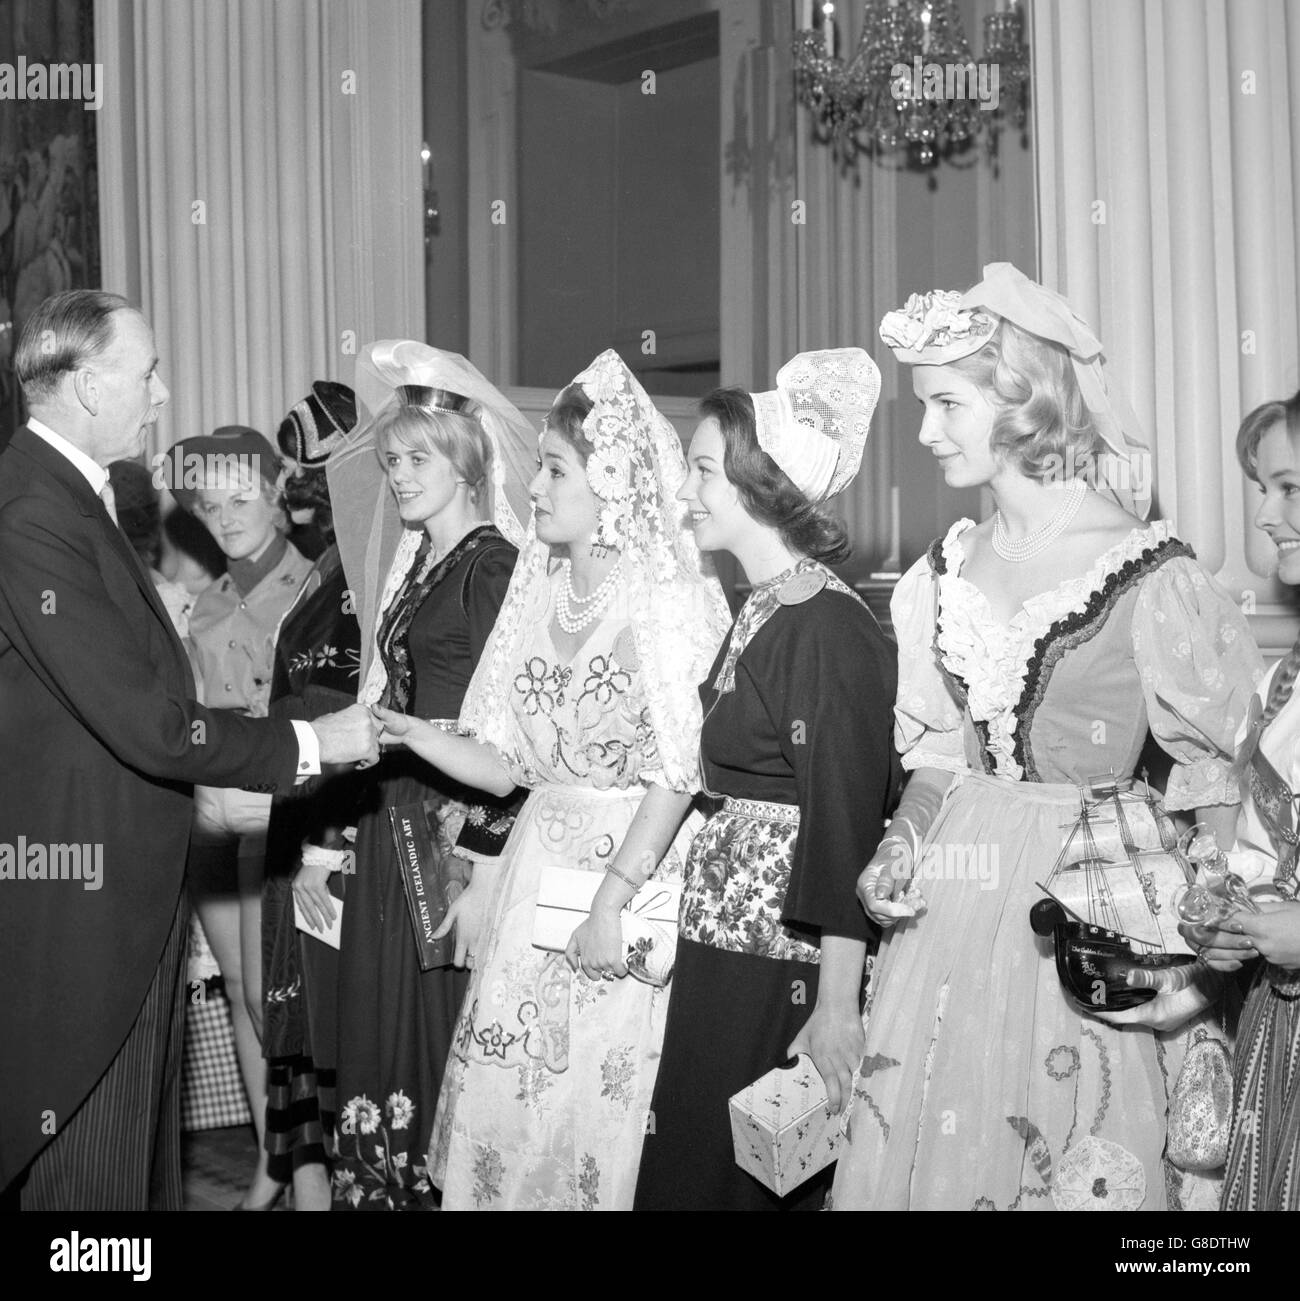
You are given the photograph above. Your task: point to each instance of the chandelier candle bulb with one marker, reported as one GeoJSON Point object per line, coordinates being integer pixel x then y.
{"type": "Point", "coordinates": [829, 28]}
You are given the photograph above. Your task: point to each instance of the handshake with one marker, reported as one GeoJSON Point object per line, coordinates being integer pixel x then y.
{"type": "Point", "coordinates": [350, 736]}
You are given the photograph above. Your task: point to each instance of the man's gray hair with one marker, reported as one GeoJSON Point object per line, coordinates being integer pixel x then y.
{"type": "Point", "coordinates": [62, 335]}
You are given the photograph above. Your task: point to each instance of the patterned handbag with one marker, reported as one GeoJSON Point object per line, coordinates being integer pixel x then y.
{"type": "Point", "coordinates": [1200, 1111]}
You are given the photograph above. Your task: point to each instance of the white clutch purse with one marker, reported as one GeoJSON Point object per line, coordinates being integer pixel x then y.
{"type": "Point", "coordinates": [564, 897]}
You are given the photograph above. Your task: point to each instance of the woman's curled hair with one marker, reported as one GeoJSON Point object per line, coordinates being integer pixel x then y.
{"type": "Point", "coordinates": [766, 491]}
{"type": "Point", "coordinates": [1041, 425]}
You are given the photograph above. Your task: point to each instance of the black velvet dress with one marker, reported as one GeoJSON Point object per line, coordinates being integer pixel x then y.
{"type": "Point", "coordinates": [807, 724]}
{"type": "Point", "coordinates": [395, 1020]}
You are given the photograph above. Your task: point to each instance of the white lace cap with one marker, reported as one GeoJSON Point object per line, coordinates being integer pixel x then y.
{"type": "Point", "coordinates": [814, 425]}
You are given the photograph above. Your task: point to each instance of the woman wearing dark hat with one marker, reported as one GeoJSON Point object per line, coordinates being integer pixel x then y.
{"type": "Point", "coordinates": [773, 943]}
{"type": "Point", "coordinates": [317, 657]}
{"type": "Point", "coordinates": [228, 480]}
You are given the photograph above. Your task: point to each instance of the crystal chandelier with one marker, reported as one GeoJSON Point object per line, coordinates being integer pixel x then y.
{"type": "Point", "coordinates": [912, 83]}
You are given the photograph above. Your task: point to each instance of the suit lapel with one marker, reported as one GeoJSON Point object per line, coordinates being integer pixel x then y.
{"type": "Point", "coordinates": [60, 468]}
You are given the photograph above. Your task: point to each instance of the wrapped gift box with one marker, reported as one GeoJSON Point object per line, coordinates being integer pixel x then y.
{"type": "Point", "coordinates": [782, 1129]}
{"type": "Point", "coordinates": [564, 896]}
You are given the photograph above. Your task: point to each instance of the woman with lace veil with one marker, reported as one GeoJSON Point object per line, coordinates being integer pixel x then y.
{"type": "Point", "coordinates": [796, 739]}
{"type": "Point", "coordinates": [1036, 650]}
{"type": "Point", "coordinates": [428, 497]}
{"type": "Point", "coordinates": [587, 696]}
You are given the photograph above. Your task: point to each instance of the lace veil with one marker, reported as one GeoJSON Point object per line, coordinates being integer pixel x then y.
{"type": "Point", "coordinates": [377, 550]}
{"type": "Point", "coordinates": [668, 591]}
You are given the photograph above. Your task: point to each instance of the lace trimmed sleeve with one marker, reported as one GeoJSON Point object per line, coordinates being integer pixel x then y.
{"type": "Point", "coordinates": [928, 723]}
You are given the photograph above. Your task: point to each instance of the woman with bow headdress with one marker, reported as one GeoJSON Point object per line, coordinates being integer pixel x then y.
{"type": "Point", "coordinates": [413, 492]}
{"type": "Point", "coordinates": [796, 738]}
{"type": "Point", "coordinates": [587, 697]}
{"type": "Point", "coordinates": [1036, 650]}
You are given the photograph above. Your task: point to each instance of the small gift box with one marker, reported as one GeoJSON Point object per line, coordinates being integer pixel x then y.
{"type": "Point", "coordinates": [782, 1128]}
{"type": "Point", "coordinates": [564, 898]}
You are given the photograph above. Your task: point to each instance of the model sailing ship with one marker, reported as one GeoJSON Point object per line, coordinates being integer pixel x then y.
{"type": "Point", "coordinates": [1110, 909]}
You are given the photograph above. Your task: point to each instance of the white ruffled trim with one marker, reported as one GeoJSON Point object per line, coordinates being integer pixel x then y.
{"type": "Point", "coordinates": [993, 658]}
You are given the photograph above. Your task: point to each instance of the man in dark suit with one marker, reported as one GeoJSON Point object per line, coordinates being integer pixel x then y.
{"type": "Point", "coordinates": [101, 742]}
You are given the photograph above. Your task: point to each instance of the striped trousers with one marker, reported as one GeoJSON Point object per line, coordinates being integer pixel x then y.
{"type": "Point", "coordinates": [121, 1149]}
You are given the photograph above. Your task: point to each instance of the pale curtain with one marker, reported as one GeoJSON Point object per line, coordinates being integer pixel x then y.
{"type": "Point", "coordinates": [260, 192]}
{"type": "Point", "coordinates": [1168, 167]}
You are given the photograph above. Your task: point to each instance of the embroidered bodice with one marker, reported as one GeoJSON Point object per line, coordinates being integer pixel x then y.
{"type": "Point", "coordinates": [1068, 689]}
{"type": "Point", "coordinates": [582, 720]}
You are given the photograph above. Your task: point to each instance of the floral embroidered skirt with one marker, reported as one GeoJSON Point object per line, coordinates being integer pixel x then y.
{"type": "Point", "coordinates": [395, 1020]}
{"type": "Point", "coordinates": [981, 1088]}
{"type": "Point", "coordinates": [547, 1092]}
{"type": "Point", "coordinates": [1263, 1171]}
{"type": "Point", "coordinates": [743, 987]}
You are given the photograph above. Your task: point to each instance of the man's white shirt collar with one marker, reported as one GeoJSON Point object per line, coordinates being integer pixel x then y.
{"type": "Point", "coordinates": [91, 470]}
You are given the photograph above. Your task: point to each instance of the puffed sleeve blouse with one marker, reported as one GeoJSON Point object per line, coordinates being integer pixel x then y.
{"type": "Point", "coordinates": [1068, 690]}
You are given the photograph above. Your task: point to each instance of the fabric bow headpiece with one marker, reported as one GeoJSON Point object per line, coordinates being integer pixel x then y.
{"type": "Point", "coordinates": [814, 425]}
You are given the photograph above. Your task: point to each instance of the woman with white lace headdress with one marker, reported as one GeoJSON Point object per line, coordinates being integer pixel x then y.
{"type": "Point", "coordinates": [427, 498]}
{"type": "Point", "coordinates": [587, 696]}
{"type": "Point", "coordinates": [773, 942]}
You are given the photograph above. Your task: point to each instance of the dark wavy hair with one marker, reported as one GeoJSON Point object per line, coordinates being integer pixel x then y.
{"type": "Point", "coordinates": [308, 489]}
{"type": "Point", "coordinates": [766, 491]}
{"type": "Point", "coordinates": [571, 407]}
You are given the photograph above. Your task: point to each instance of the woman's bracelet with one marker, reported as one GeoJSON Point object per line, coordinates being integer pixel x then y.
{"type": "Point", "coordinates": [912, 838]}
{"type": "Point", "coordinates": [622, 876]}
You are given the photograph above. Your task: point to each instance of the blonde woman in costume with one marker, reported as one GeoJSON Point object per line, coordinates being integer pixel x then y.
{"type": "Point", "coordinates": [1036, 650]}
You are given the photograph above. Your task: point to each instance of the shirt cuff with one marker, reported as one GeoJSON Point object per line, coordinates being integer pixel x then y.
{"type": "Point", "coordinates": [308, 750]}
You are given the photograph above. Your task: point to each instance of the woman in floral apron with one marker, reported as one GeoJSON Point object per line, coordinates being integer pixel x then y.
{"type": "Point", "coordinates": [797, 739]}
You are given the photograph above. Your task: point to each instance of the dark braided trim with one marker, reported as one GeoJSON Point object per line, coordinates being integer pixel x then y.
{"type": "Point", "coordinates": [1076, 629]}
{"type": "Point", "coordinates": [938, 566]}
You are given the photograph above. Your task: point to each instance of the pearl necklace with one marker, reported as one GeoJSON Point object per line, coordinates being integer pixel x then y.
{"type": "Point", "coordinates": [1033, 544]}
{"type": "Point", "coordinates": [569, 606]}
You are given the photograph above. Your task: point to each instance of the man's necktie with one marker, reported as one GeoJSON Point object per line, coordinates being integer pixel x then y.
{"type": "Point", "coordinates": [109, 498]}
